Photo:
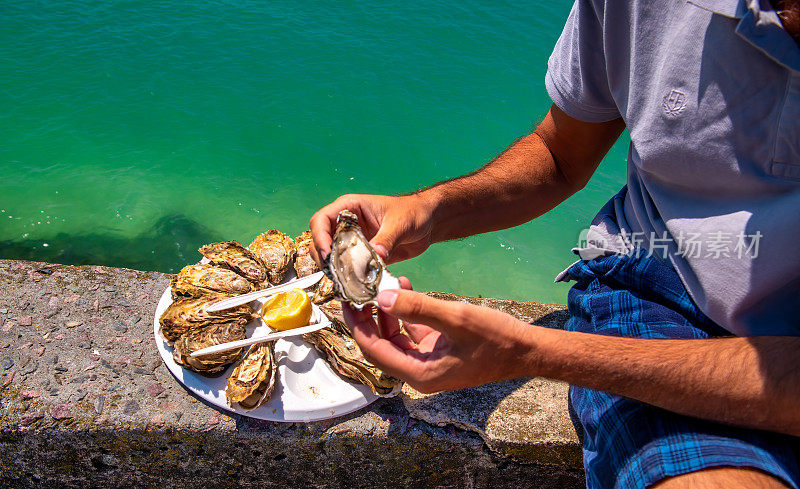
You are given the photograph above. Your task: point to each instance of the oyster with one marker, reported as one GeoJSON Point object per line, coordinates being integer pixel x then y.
{"type": "Point", "coordinates": [185, 315]}
{"type": "Point", "coordinates": [303, 263]}
{"type": "Point", "coordinates": [253, 379]}
{"type": "Point", "coordinates": [277, 251]}
{"type": "Point", "coordinates": [342, 353]}
{"type": "Point", "coordinates": [358, 273]}
{"type": "Point", "coordinates": [196, 280]}
{"type": "Point", "coordinates": [234, 256]}
{"type": "Point", "coordinates": [333, 311]}
{"type": "Point", "coordinates": [324, 291]}
{"type": "Point", "coordinates": [206, 336]}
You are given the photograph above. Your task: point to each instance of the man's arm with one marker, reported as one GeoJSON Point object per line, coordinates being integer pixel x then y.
{"type": "Point", "coordinates": [749, 382]}
{"type": "Point", "coordinates": [531, 177]}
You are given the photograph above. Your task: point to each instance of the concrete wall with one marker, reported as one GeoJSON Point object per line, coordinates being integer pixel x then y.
{"type": "Point", "coordinates": [85, 401]}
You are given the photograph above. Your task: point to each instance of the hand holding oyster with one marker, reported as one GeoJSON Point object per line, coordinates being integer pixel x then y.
{"type": "Point", "coordinates": [357, 271]}
{"type": "Point", "coordinates": [342, 352]}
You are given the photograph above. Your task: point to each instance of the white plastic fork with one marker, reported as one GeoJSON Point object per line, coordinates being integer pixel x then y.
{"type": "Point", "coordinates": [321, 323]}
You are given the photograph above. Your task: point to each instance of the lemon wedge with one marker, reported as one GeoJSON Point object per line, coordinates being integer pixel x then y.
{"type": "Point", "coordinates": [287, 310]}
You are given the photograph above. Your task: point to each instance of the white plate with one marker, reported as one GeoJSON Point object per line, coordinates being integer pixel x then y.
{"type": "Point", "coordinates": [307, 389]}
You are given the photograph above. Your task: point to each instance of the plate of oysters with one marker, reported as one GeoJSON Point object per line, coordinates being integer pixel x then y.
{"type": "Point", "coordinates": [306, 377]}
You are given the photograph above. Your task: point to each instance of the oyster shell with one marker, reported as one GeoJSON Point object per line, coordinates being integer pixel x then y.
{"type": "Point", "coordinates": [196, 280]}
{"type": "Point", "coordinates": [277, 251]}
{"type": "Point", "coordinates": [206, 336]}
{"type": "Point", "coordinates": [343, 354]}
{"type": "Point", "coordinates": [324, 291]}
{"type": "Point", "coordinates": [185, 315]}
{"type": "Point", "coordinates": [358, 273]}
{"type": "Point", "coordinates": [253, 379]}
{"type": "Point", "coordinates": [234, 256]}
{"type": "Point", "coordinates": [333, 311]}
{"type": "Point", "coordinates": [303, 263]}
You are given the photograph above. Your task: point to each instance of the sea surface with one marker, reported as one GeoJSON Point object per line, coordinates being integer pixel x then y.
{"type": "Point", "coordinates": [133, 132]}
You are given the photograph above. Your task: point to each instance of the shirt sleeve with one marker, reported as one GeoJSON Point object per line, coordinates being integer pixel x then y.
{"type": "Point", "coordinates": [577, 77]}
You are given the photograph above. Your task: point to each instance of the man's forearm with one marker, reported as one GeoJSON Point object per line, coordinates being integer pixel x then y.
{"type": "Point", "coordinates": [532, 176]}
{"type": "Point", "coordinates": [750, 382]}
{"type": "Point", "coordinates": [517, 186]}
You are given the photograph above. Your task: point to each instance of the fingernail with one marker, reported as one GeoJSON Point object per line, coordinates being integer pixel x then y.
{"type": "Point", "coordinates": [387, 298]}
{"type": "Point", "coordinates": [381, 250]}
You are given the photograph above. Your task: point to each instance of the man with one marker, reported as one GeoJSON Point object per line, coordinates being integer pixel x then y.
{"type": "Point", "coordinates": [682, 347]}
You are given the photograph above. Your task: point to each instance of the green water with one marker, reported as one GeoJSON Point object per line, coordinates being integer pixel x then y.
{"type": "Point", "coordinates": [134, 132]}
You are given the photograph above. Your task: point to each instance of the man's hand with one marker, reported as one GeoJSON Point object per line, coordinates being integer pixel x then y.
{"type": "Point", "coordinates": [531, 177]}
{"type": "Point", "coordinates": [398, 228]}
{"type": "Point", "coordinates": [749, 382]}
{"type": "Point", "coordinates": [450, 345]}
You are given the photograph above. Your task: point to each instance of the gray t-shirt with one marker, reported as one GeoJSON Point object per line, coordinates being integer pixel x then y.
{"type": "Point", "coordinates": [710, 93]}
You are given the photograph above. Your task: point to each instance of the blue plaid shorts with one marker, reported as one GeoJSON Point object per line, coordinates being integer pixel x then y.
{"type": "Point", "coordinates": [629, 444]}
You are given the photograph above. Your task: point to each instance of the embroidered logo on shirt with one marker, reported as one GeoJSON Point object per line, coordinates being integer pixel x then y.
{"type": "Point", "coordinates": [674, 102]}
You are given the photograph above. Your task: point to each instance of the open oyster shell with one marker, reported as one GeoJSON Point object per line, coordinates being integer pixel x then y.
{"type": "Point", "coordinates": [206, 336]}
{"type": "Point", "coordinates": [277, 251]}
{"type": "Point", "coordinates": [234, 256]}
{"type": "Point", "coordinates": [343, 354]}
{"type": "Point", "coordinates": [303, 263]}
{"type": "Point", "coordinates": [200, 279]}
{"type": "Point", "coordinates": [185, 315]}
{"type": "Point", "coordinates": [253, 379]}
{"type": "Point", "coordinates": [358, 273]}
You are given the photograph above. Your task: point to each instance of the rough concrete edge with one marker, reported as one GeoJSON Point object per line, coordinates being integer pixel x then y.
{"type": "Point", "coordinates": [567, 453]}
{"type": "Point", "coordinates": [504, 450]}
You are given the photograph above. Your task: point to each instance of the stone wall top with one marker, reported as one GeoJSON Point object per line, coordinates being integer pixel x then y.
{"type": "Point", "coordinates": [85, 399]}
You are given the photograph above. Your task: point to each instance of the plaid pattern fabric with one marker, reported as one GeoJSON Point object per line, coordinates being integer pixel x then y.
{"type": "Point", "coordinates": [629, 444]}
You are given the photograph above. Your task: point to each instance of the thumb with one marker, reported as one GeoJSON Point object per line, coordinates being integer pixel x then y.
{"type": "Point", "coordinates": [414, 307]}
{"type": "Point", "coordinates": [385, 240]}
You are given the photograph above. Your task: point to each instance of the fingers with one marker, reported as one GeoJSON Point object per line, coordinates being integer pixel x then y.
{"type": "Point", "coordinates": [388, 356]}
{"type": "Point", "coordinates": [413, 307]}
{"type": "Point", "coordinates": [322, 224]}
{"type": "Point", "coordinates": [405, 283]}
{"type": "Point", "coordinates": [385, 239]}
{"type": "Point", "coordinates": [390, 330]}
{"type": "Point", "coordinates": [385, 230]}
{"type": "Point", "coordinates": [360, 319]}
{"type": "Point", "coordinates": [382, 252]}
{"type": "Point", "coordinates": [388, 326]}
{"type": "Point", "coordinates": [417, 332]}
